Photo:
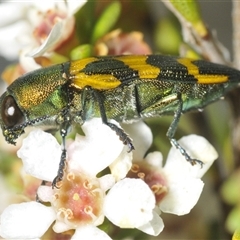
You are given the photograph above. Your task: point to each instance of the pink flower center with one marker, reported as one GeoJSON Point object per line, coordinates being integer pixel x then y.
{"type": "Point", "coordinates": [79, 200]}
{"type": "Point", "coordinates": [49, 19]}
{"type": "Point", "coordinates": [155, 179]}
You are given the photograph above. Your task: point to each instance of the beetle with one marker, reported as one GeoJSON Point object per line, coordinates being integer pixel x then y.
{"type": "Point", "coordinates": [123, 88]}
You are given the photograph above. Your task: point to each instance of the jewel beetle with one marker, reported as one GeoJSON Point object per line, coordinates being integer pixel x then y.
{"type": "Point", "coordinates": [123, 88]}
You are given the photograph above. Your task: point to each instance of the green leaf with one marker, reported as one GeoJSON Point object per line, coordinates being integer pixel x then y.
{"type": "Point", "coordinates": [85, 21]}
{"type": "Point", "coordinates": [167, 36]}
{"type": "Point", "coordinates": [190, 12]}
{"type": "Point", "coordinates": [106, 21]}
{"type": "Point", "coordinates": [188, 9]}
{"type": "Point", "coordinates": [233, 219]}
{"type": "Point", "coordinates": [230, 189]}
{"type": "Point", "coordinates": [82, 51]}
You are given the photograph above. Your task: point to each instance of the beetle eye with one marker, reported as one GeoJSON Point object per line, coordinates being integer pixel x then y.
{"type": "Point", "coordinates": [11, 114]}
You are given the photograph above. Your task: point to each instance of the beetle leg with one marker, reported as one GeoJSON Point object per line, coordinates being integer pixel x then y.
{"type": "Point", "coordinates": [193, 161]}
{"type": "Point", "coordinates": [177, 114]}
{"type": "Point", "coordinates": [167, 105]}
{"type": "Point", "coordinates": [172, 129]}
{"type": "Point", "coordinates": [61, 168]}
{"type": "Point", "coordinates": [65, 125]}
{"type": "Point", "coordinates": [123, 136]}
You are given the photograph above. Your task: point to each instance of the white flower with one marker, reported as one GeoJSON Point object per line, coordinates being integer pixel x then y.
{"type": "Point", "coordinates": [81, 202]}
{"type": "Point", "coordinates": [78, 203]}
{"type": "Point", "coordinates": [90, 232]}
{"type": "Point", "coordinates": [35, 27]}
{"type": "Point", "coordinates": [177, 185]}
{"type": "Point", "coordinates": [17, 221]}
{"type": "Point", "coordinates": [142, 140]}
{"type": "Point", "coordinates": [130, 203]}
{"type": "Point", "coordinates": [107, 148]}
{"type": "Point", "coordinates": [185, 184]}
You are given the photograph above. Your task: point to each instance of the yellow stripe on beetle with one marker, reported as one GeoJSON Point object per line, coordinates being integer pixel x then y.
{"type": "Point", "coordinates": [120, 88]}
{"type": "Point", "coordinates": [145, 71]}
{"type": "Point", "coordinates": [202, 78]}
{"type": "Point", "coordinates": [97, 81]}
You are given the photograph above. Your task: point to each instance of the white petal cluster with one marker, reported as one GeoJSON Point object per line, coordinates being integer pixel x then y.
{"type": "Point", "coordinates": [129, 202]}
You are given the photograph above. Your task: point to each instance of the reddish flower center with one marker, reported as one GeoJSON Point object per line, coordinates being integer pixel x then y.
{"type": "Point", "coordinates": [79, 200]}
{"type": "Point", "coordinates": [49, 19]}
{"type": "Point", "coordinates": [155, 179]}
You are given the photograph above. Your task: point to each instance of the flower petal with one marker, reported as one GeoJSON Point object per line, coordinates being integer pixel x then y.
{"type": "Point", "coordinates": [17, 8]}
{"type": "Point", "coordinates": [26, 62]}
{"type": "Point", "coordinates": [14, 30]}
{"type": "Point", "coordinates": [106, 182]}
{"type": "Point", "coordinates": [153, 227]}
{"type": "Point", "coordinates": [90, 232]}
{"type": "Point", "coordinates": [183, 194]}
{"type": "Point", "coordinates": [97, 150]}
{"type": "Point", "coordinates": [142, 138]}
{"type": "Point", "coordinates": [129, 203]}
{"type": "Point", "coordinates": [155, 159]}
{"type": "Point", "coordinates": [53, 38]}
{"type": "Point", "coordinates": [61, 226]}
{"type": "Point", "coordinates": [184, 184]}
{"type": "Point", "coordinates": [45, 193]}
{"type": "Point", "coordinates": [198, 148]}
{"type": "Point", "coordinates": [43, 6]}
{"type": "Point", "coordinates": [26, 220]}
{"type": "Point", "coordinates": [121, 166]}
{"type": "Point", "coordinates": [40, 153]}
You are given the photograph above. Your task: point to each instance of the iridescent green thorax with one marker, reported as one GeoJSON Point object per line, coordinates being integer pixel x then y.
{"type": "Point", "coordinates": [123, 88]}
